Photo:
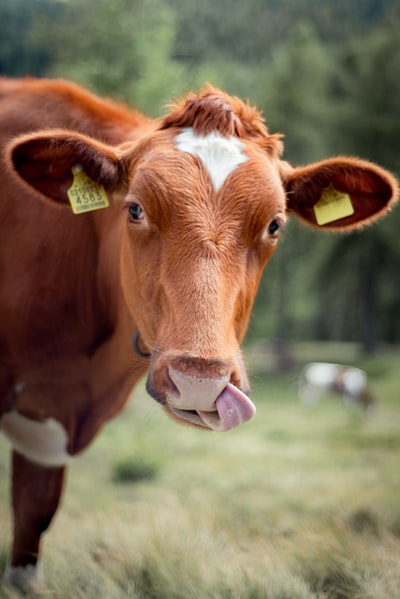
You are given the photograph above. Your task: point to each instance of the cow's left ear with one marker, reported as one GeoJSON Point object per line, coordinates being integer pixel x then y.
{"type": "Point", "coordinates": [339, 194]}
{"type": "Point", "coordinates": [46, 159]}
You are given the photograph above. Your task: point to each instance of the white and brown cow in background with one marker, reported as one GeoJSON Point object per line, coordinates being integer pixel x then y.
{"type": "Point", "coordinates": [113, 223]}
{"type": "Point", "coordinates": [322, 378]}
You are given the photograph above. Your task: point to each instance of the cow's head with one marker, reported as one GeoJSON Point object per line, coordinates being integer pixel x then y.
{"type": "Point", "coordinates": [204, 197]}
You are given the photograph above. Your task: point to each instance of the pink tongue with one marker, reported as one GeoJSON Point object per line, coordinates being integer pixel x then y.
{"type": "Point", "coordinates": [234, 407]}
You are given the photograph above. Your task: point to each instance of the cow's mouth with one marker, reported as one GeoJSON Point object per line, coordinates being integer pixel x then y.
{"type": "Point", "coordinates": [190, 416]}
{"type": "Point", "coordinates": [232, 408]}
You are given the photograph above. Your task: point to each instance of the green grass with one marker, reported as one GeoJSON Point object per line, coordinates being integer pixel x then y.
{"type": "Point", "coordinates": [296, 504]}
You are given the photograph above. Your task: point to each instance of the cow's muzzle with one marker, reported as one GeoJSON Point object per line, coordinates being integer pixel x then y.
{"type": "Point", "coordinates": [212, 403]}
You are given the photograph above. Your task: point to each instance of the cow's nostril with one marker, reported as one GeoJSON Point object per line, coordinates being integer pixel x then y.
{"type": "Point", "coordinates": [172, 389]}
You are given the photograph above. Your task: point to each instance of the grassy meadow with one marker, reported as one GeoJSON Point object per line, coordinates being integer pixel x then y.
{"type": "Point", "coordinates": [300, 503]}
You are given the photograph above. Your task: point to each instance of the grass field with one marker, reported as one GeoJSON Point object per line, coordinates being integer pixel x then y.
{"type": "Point", "coordinates": [296, 504]}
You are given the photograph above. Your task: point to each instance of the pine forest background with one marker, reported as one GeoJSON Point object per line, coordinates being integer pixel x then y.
{"type": "Point", "coordinates": [326, 73]}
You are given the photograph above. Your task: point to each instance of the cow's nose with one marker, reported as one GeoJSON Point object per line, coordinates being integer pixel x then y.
{"type": "Point", "coordinates": [208, 402]}
{"type": "Point", "coordinates": [195, 392]}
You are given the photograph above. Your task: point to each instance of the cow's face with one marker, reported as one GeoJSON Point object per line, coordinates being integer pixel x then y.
{"type": "Point", "coordinates": [204, 200]}
{"type": "Point", "coordinates": [203, 217]}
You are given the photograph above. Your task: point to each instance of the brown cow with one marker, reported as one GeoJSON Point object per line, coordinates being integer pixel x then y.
{"type": "Point", "coordinates": [196, 203]}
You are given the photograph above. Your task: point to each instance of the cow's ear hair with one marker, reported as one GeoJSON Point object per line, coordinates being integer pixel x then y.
{"type": "Point", "coordinates": [45, 161]}
{"type": "Point", "coordinates": [340, 193]}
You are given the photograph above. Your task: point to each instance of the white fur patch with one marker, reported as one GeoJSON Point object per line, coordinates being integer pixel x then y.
{"type": "Point", "coordinates": [220, 155]}
{"type": "Point", "coordinates": [44, 442]}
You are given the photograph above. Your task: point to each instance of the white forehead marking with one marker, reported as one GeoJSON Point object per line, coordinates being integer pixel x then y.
{"type": "Point", "coordinates": [44, 442]}
{"type": "Point", "coordinates": [220, 155]}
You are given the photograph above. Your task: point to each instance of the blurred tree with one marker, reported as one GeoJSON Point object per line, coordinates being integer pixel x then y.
{"type": "Point", "coordinates": [358, 288]}
{"type": "Point", "coordinates": [19, 52]}
{"type": "Point", "coordinates": [367, 91]}
{"type": "Point", "coordinates": [297, 97]}
{"type": "Point", "coordinates": [248, 32]}
{"type": "Point", "coordinates": [121, 48]}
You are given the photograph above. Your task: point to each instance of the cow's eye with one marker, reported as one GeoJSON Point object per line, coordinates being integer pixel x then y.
{"type": "Point", "coordinates": [135, 212]}
{"type": "Point", "coordinates": [274, 227]}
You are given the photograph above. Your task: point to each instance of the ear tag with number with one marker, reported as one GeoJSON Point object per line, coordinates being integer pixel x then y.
{"type": "Point", "coordinates": [332, 205]}
{"type": "Point", "coordinates": [85, 194]}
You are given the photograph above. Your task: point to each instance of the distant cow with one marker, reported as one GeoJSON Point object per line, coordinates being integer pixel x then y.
{"type": "Point", "coordinates": [320, 378]}
{"type": "Point", "coordinates": [116, 227]}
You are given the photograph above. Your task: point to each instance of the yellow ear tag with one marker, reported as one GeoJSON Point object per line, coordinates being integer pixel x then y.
{"type": "Point", "coordinates": [332, 205]}
{"type": "Point", "coordinates": [85, 194]}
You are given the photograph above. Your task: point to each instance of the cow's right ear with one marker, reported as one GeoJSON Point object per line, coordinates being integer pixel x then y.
{"type": "Point", "coordinates": [45, 160]}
